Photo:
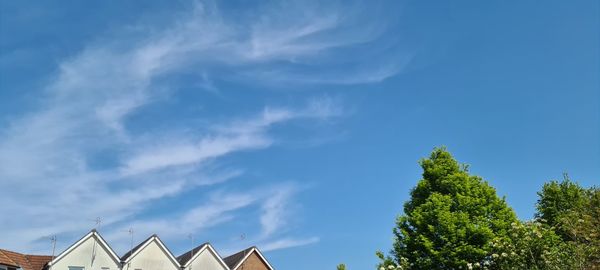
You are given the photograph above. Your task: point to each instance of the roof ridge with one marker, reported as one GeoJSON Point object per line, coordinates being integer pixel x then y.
{"type": "Point", "coordinates": [235, 259]}
{"type": "Point", "coordinates": [134, 249]}
{"type": "Point", "coordinates": [183, 257]}
{"type": "Point", "coordinates": [148, 240]}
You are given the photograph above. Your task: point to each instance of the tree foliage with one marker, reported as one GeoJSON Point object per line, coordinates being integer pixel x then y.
{"type": "Point", "coordinates": [574, 213]}
{"type": "Point", "coordinates": [451, 217]}
{"type": "Point", "coordinates": [455, 220]}
{"type": "Point", "coordinates": [531, 245]}
{"type": "Point", "coordinates": [557, 199]}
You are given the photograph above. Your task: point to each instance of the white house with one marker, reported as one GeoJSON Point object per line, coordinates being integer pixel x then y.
{"type": "Point", "coordinates": [93, 253]}
{"type": "Point", "coordinates": [151, 254]}
{"type": "Point", "coordinates": [89, 253]}
{"type": "Point", "coordinates": [203, 257]}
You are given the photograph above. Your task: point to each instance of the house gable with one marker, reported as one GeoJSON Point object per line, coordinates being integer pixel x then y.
{"type": "Point", "coordinates": [254, 262]}
{"type": "Point", "coordinates": [248, 259]}
{"type": "Point", "coordinates": [152, 254]}
{"type": "Point", "coordinates": [204, 257]}
{"type": "Point", "coordinates": [91, 253]}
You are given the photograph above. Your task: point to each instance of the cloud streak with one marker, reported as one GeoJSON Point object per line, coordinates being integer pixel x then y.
{"type": "Point", "coordinates": [47, 155]}
{"type": "Point", "coordinates": [288, 243]}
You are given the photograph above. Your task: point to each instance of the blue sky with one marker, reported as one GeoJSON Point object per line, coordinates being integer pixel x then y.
{"type": "Point", "coordinates": [296, 124]}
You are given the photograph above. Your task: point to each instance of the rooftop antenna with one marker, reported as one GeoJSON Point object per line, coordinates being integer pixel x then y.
{"type": "Point", "coordinates": [98, 221]}
{"type": "Point", "coordinates": [53, 241]}
{"type": "Point", "coordinates": [130, 232]}
{"type": "Point", "coordinates": [191, 237]}
{"type": "Point", "coordinates": [242, 238]}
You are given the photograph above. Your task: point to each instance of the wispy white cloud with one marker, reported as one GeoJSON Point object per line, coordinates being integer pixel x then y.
{"type": "Point", "coordinates": [177, 153]}
{"type": "Point", "coordinates": [275, 211]}
{"type": "Point", "coordinates": [71, 196]}
{"type": "Point", "coordinates": [221, 207]}
{"type": "Point", "coordinates": [288, 243]}
{"type": "Point", "coordinates": [246, 134]}
{"type": "Point", "coordinates": [45, 154]}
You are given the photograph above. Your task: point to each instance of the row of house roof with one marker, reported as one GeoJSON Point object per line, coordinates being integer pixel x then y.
{"type": "Point", "coordinates": [92, 252]}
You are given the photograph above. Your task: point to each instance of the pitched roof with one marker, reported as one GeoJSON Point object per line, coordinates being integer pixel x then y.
{"type": "Point", "coordinates": [130, 254]}
{"type": "Point", "coordinates": [234, 260]}
{"type": "Point", "coordinates": [25, 261]}
{"type": "Point", "coordinates": [92, 233]}
{"type": "Point", "coordinates": [133, 250]}
{"type": "Point", "coordinates": [6, 260]}
{"type": "Point", "coordinates": [186, 257]}
{"type": "Point", "coordinates": [38, 262]}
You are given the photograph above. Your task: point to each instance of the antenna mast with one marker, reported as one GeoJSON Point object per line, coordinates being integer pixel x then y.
{"type": "Point", "coordinates": [98, 221]}
{"type": "Point", "coordinates": [130, 231]}
{"type": "Point", "coordinates": [242, 238]}
{"type": "Point", "coordinates": [191, 237]}
{"type": "Point", "coordinates": [53, 240]}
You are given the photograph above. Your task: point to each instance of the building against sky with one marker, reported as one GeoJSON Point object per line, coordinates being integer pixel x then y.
{"type": "Point", "coordinates": [201, 257]}
{"type": "Point", "coordinates": [151, 254]}
{"type": "Point", "coordinates": [223, 118]}
{"type": "Point", "coordinates": [248, 259]}
{"type": "Point", "coordinates": [10, 260]}
{"type": "Point", "coordinates": [92, 252]}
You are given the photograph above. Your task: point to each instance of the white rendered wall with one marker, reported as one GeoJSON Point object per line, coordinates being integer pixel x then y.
{"type": "Point", "coordinates": [81, 256]}
{"type": "Point", "coordinates": [152, 257]}
{"type": "Point", "coordinates": [206, 261]}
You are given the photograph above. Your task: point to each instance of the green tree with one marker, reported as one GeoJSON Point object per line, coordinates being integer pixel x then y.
{"type": "Point", "coordinates": [388, 263]}
{"type": "Point", "coordinates": [574, 213]}
{"type": "Point", "coordinates": [531, 245]}
{"type": "Point", "coordinates": [341, 266]}
{"type": "Point", "coordinates": [583, 230]}
{"type": "Point", "coordinates": [557, 199]}
{"type": "Point", "coordinates": [451, 217]}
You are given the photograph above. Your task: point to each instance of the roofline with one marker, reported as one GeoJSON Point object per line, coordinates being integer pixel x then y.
{"type": "Point", "coordinates": [210, 247]}
{"type": "Point", "coordinates": [218, 256]}
{"type": "Point", "coordinates": [189, 261]}
{"type": "Point", "coordinates": [160, 243]}
{"type": "Point", "coordinates": [8, 264]}
{"type": "Point", "coordinates": [248, 255]}
{"type": "Point", "coordinates": [129, 254]}
{"type": "Point", "coordinates": [13, 261]}
{"type": "Point", "coordinates": [80, 241]}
